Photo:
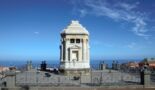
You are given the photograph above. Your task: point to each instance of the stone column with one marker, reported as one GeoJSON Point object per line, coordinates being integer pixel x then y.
{"type": "Point", "coordinates": [61, 52]}
{"type": "Point", "coordinates": [80, 55]}
{"type": "Point", "coordinates": [85, 49]}
{"type": "Point", "coordinates": [66, 50]}
{"type": "Point", "coordinates": [82, 49]}
{"type": "Point", "coordinates": [70, 56]}
{"type": "Point", "coordinates": [145, 77]}
{"type": "Point", "coordinates": [10, 79]}
{"type": "Point", "coordinates": [88, 54]}
{"type": "Point", "coordinates": [64, 46]}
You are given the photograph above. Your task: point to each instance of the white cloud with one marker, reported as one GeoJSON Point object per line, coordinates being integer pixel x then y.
{"type": "Point", "coordinates": [83, 12]}
{"type": "Point", "coordinates": [36, 32]}
{"type": "Point", "coordinates": [127, 6]}
{"type": "Point", "coordinates": [131, 45]}
{"type": "Point", "coordinates": [135, 46]}
{"type": "Point", "coordinates": [120, 11]}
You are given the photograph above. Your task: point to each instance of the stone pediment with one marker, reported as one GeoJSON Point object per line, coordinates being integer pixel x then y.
{"type": "Point", "coordinates": [75, 28]}
{"type": "Point", "coordinates": [75, 47]}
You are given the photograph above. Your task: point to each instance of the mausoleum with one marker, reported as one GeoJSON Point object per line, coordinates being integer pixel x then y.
{"type": "Point", "coordinates": [74, 49]}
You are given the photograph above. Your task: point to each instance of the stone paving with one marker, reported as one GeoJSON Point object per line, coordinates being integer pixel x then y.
{"type": "Point", "coordinates": [96, 77]}
{"type": "Point", "coordinates": [40, 78]}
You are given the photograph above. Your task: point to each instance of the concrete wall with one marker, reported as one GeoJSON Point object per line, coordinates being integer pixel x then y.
{"type": "Point", "coordinates": [137, 87]}
{"type": "Point", "coordinates": [16, 88]}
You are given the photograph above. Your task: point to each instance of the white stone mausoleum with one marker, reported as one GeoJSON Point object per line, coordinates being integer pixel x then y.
{"type": "Point", "coordinates": [74, 49]}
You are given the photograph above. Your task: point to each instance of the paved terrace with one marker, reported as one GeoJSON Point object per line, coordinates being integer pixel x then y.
{"type": "Point", "coordinates": [104, 77]}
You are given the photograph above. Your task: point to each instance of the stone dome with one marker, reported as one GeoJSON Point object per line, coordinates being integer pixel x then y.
{"type": "Point", "coordinates": [75, 28]}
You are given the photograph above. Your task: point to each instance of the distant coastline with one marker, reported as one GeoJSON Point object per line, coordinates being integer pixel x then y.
{"type": "Point", "coordinates": [55, 63]}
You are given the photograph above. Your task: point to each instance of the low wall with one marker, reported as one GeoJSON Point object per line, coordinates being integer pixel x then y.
{"type": "Point", "coordinates": [139, 87]}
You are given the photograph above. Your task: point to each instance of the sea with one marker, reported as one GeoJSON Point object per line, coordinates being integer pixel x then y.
{"type": "Point", "coordinates": [55, 63]}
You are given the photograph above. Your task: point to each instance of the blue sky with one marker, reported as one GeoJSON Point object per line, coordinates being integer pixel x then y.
{"type": "Point", "coordinates": [119, 29]}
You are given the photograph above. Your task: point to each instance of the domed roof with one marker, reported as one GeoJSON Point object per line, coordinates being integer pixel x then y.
{"type": "Point", "coordinates": [75, 28]}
